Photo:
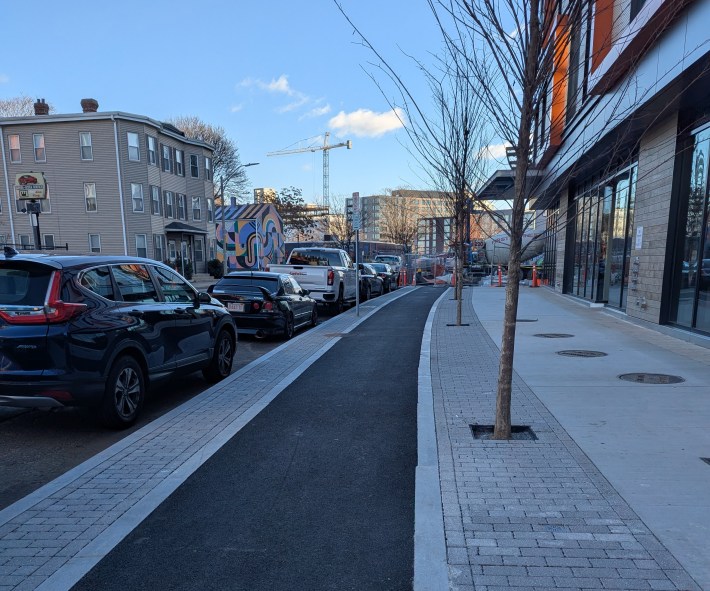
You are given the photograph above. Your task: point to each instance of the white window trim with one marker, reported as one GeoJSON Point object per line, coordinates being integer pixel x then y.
{"type": "Point", "coordinates": [199, 209]}
{"type": "Point", "coordinates": [160, 201]}
{"type": "Point", "coordinates": [133, 199]}
{"type": "Point", "coordinates": [148, 150]}
{"type": "Point", "coordinates": [145, 245]}
{"type": "Point", "coordinates": [90, 246]}
{"type": "Point", "coordinates": [86, 199]}
{"type": "Point", "coordinates": [19, 148]}
{"type": "Point", "coordinates": [34, 146]}
{"type": "Point", "coordinates": [137, 146]}
{"type": "Point", "coordinates": [90, 146]}
{"type": "Point", "coordinates": [44, 240]}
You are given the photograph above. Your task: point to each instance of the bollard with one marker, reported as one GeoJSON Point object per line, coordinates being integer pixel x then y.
{"type": "Point", "coordinates": [500, 277]}
{"type": "Point", "coordinates": [534, 282]}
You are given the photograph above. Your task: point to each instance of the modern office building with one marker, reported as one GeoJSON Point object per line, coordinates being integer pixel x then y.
{"type": "Point", "coordinates": [623, 150]}
{"type": "Point", "coordinates": [116, 183]}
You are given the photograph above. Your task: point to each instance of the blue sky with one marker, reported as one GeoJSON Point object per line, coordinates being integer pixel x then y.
{"type": "Point", "coordinates": [271, 73]}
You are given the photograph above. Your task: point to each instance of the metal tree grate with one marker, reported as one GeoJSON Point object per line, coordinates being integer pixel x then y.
{"type": "Point", "coordinates": [651, 378]}
{"type": "Point", "coordinates": [517, 432]}
{"type": "Point", "coordinates": [581, 353]}
{"type": "Point", "coordinates": [553, 335]}
{"type": "Point", "coordinates": [526, 320]}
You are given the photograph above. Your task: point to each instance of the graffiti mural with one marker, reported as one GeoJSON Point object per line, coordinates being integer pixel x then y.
{"type": "Point", "coordinates": [254, 236]}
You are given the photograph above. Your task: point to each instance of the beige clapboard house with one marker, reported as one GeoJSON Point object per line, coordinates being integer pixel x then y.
{"type": "Point", "coordinates": [117, 183]}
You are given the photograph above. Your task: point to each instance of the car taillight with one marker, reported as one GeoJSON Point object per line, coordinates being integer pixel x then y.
{"type": "Point", "coordinates": [268, 307]}
{"type": "Point", "coordinates": [331, 276]}
{"type": "Point", "coordinates": [53, 312]}
{"type": "Point", "coordinates": [255, 305]}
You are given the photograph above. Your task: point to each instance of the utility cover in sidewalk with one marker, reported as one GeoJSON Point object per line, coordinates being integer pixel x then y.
{"type": "Point", "coordinates": [553, 335]}
{"type": "Point", "coordinates": [651, 378]}
{"type": "Point", "coordinates": [581, 353]}
{"type": "Point", "coordinates": [517, 432]}
{"type": "Point", "coordinates": [526, 320]}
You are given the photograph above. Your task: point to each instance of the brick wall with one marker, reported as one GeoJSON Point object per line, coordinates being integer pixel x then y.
{"type": "Point", "coordinates": [653, 199]}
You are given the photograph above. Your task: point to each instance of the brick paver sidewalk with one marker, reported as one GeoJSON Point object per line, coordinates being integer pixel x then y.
{"type": "Point", "coordinates": [527, 514]}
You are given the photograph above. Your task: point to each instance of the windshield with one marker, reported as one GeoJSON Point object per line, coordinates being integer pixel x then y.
{"type": "Point", "coordinates": [387, 259]}
{"type": "Point", "coordinates": [246, 285]}
{"type": "Point", "coordinates": [320, 258]}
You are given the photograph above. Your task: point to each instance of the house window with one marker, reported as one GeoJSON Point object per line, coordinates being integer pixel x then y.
{"type": "Point", "coordinates": [152, 151]}
{"type": "Point", "coordinates": [15, 154]}
{"type": "Point", "coordinates": [40, 154]}
{"type": "Point", "coordinates": [208, 168]}
{"type": "Point", "coordinates": [49, 241]}
{"type": "Point", "coordinates": [167, 159]}
{"type": "Point", "coordinates": [90, 196]}
{"type": "Point", "coordinates": [158, 250]}
{"type": "Point", "coordinates": [141, 246]}
{"type": "Point", "coordinates": [199, 250]}
{"type": "Point", "coordinates": [95, 242]}
{"type": "Point", "coordinates": [137, 195]}
{"type": "Point", "coordinates": [24, 240]}
{"type": "Point", "coordinates": [87, 152]}
{"type": "Point", "coordinates": [636, 6]}
{"type": "Point", "coordinates": [155, 200]}
{"type": "Point", "coordinates": [196, 209]}
{"type": "Point", "coordinates": [134, 151]}
{"type": "Point", "coordinates": [169, 205]}
{"type": "Point", "coordinates": [210, 210]}
{"type": "Point", "coordinates": [172, 250]}
{"type": "Point", "coordinates": [181, 207]}
{"type": "Point", "coordinates": [179, 163]}
{"type": "Point", "coordinates": [194, 167]}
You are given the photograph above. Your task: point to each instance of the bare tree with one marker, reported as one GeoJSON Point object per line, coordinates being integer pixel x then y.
{"type": "Point", "coordinates": [226, 162]}
{"type": "Point", "coordinates": [19, 106]}
{"type": "Point", "coordinates": [399, 222]}
{"type": "Point", "coordinates": [296, 216]}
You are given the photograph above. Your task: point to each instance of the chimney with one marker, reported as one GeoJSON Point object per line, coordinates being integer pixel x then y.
{"type": "Point", "coordinates": [89, 105]}
{"type": "Point", "coordinates": [41, 108]}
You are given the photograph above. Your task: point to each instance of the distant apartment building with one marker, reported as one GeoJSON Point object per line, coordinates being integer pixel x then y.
{"type": "Point", "coordinates": [422, 204]}
{"type": "Point", "coordinates": [264, 195]}
{"type": "Point", "coordinates": [117, 183]}
{"type": "Point", "coordinates": [622, 145]}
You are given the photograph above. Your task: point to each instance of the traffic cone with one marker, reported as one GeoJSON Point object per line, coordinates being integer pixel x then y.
{"type": "Point", "coordinates": [414, 280]}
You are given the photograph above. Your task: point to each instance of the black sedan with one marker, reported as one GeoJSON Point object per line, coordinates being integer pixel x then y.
{"type": "Point", "coordinates": [370, 283]}
{"type": "Point", "coordinates": [387, 274]}
{"type": "Point", "coordinates": [265, 304]}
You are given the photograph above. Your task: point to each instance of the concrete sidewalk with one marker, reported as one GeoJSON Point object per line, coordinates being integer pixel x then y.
{"type": "Point", "coordinates": [613, 494]}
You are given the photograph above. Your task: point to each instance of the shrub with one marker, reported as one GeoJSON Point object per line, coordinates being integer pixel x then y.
{"type": "Point", "coordinates": [215, 268]}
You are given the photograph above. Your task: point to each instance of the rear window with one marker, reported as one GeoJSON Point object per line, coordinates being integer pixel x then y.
{"type": "Point", "coordinates": [380, 267]}
{"type": "Point", "coordinates": [23, 285]}
{"type": "Point", "coordinates": [320, 258]}
{"type": "Point", "coordinates": [246, 285]}
{"type": "Point", "coordinates": [387, 259]}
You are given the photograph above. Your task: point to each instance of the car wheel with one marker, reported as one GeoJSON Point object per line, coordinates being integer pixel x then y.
{"type": "Point", "coordinates": [221, 363]}
{"type": "Point", "coordinates": [339, 305]}
{"type": "Point", "coordinates": [314, 315]}
{"type": "Point", "coordinates": [124, 394]}
{"type": "Point", "coordinates": [290, 328]}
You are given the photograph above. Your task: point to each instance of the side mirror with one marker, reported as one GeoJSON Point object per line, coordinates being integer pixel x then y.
{"type": "Point", "coordinates": [305, 291]}
{"type": "Point", "coordinates": [203, 298]}
{"type": "Point", "coordinates": [210, 289]}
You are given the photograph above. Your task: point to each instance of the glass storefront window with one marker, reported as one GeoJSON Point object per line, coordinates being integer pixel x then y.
{"type": "Point", "coordinates": [690, 299]}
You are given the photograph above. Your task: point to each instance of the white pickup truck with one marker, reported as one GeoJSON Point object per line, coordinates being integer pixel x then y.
{"type": "Point", "coordinates": [327, 273]}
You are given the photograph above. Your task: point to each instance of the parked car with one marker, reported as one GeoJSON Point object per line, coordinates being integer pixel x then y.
{"type": "Point", "coordinates": [393, 260]}
{"type": "Point", "coordinates": [265, 304]}
{"type": "Point", "coordinates": [370, 283]}
{"type": "Point", "coordinates": [387, 274]}
{"type": "Point", "coordinates": [97, 331]}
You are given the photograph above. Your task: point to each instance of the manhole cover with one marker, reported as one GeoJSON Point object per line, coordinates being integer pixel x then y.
{"type": "Point", "coordinates": [553, 335]}
{"type": "Point", "coordinates": [581, 353]}
{"type": "Point", "coordinates": [651, 378]}
{"type": "Point", "coordinates": [526, 320]}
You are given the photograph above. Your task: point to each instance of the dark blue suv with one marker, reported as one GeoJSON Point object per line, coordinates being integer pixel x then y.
{"type": "Point", "coordinates": [98, 330]}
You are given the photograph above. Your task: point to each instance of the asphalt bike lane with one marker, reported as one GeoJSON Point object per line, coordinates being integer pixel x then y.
{"type": "Point", "coordinates": [316, 492]}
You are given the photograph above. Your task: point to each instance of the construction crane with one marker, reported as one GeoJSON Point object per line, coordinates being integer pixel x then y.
{"type": "Point", "coordinates": [326, 148]}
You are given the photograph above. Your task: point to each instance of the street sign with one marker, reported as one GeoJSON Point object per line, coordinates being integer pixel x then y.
{"type": "Point", "coordinates": [356, 202]}
{"type": "Point", "coordinates": [357, 220]}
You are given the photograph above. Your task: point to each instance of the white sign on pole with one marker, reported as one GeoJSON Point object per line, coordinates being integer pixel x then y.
{"type": "Point", "coordinates": [639, 237]}
{"type": "Point", "coordinates": [357, 220]}
{"type": "Point", "coordinates": [356, 202]}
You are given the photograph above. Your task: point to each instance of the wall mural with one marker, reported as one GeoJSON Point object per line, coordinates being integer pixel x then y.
{"type": "Point", "coordinates": [254, 236]}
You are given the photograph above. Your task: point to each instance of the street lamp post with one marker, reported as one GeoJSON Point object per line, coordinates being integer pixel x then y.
{"type": "Point", "coordinates": [222, 181]}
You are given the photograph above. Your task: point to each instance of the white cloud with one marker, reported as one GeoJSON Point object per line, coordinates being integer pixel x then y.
{"type": "Point", "coordinates": [4, 79]}
{"type": "Point", "coordinates": [494, 152]}
{"type": "Point", "coordinates": [366, 123]}
{"type": "Point", "coordinates": [279, 85]}
{"type": "Point", "coordinates": [301, 100]}
{"type": "Point", "coordinates": [317, 112]}
{"type": "Point", "coordinates": [237, 108]}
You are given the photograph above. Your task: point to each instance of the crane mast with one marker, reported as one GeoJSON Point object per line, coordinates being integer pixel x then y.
{"type": "Point", "coordinates": [326, 148]}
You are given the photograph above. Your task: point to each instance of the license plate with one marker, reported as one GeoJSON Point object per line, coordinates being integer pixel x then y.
{"type": "Point", "coordinates": [235, 307]}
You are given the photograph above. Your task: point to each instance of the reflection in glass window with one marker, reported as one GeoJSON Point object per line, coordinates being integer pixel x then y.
{"type": "Point", "coordinates": [137, 197]}
{"type": "Point", "coordinates": [173, 286]}
{"type": "Point", "coordinates": [134, 151]}
{"type": "Point", "coordinates": [40, 155]}
{"type": "Point", "coordinates": [15, 154]}
{"type": "Point", "coordinates": [87, 152]}
{"type": "Point", "coordinates": [90, 196]}
{"type": "Point", "coordinates": [99, 281]}
{"type": "Point", "coordinates": [134, 283]}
